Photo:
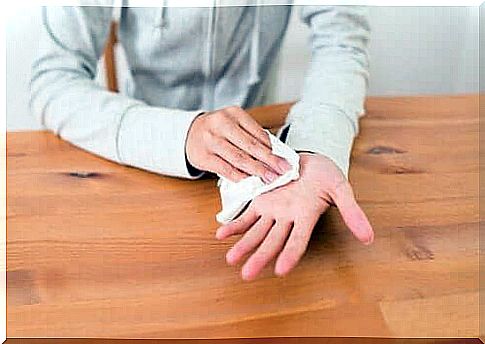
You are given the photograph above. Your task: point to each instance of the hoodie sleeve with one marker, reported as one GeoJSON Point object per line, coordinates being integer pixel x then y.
{"type": "Point", "coordinates": [66, 99]}
{"type": "Point", "coordinates": [325, 120]}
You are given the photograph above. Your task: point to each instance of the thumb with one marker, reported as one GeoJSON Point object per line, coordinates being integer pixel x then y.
{"type": "Point", "coordinates": [353, 216]}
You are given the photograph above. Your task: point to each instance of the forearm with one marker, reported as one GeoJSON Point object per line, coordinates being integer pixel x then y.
{"type": "Point", "coordinates": [113, 126]}
{"type": "Point", "coordinates": [66, 99]}
{"type": "Point", "coordinates": [325, 120]}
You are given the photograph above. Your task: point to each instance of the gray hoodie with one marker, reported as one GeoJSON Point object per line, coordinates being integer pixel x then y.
{"type": "Point", "coordinates": [184, 61]}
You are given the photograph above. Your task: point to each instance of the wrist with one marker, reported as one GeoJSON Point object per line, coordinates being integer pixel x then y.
{"type": "Point", "coordinates": [321, 172]}
{"type": "Point", "coordinates": [192, 170]}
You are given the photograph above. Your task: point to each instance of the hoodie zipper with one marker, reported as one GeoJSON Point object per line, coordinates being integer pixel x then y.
{"type": "Point", "coordinates": [209, 83]}
{"type": "Point", "coordinates": [213, 39]}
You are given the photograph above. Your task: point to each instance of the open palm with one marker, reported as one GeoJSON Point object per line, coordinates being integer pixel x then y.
{"type": "Point", "coordinates": [279, 223]}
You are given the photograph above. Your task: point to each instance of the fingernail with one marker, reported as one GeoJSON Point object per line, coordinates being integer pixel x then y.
{"type": "Point", "coordinates": [246, 274]}
{"type": "Point", "coordinates": [270, 176]}
{"type": "Point", "coordinates": [282, 268]}
{"type": "Point", "coordinates": [279, 271]}
{"type": "Point", "coordinates": [230, 259]}
{"type": "Point", "coordinates": [370, 240]}
{"type": "Point", "coordinates": [284, 165]}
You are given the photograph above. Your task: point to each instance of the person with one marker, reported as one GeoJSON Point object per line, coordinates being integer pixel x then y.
{"type": "Point", "coordinates": [193, 71]}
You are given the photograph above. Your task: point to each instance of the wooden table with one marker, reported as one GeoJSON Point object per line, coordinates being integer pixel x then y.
{"type": "Point", "coordinates": [99, 250]}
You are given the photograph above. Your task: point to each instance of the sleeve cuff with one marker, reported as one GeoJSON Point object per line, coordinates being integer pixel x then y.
{"type": "Point", "coordinates": [324, 131]}
{"type": "Point", "coordinates": [153, 139]}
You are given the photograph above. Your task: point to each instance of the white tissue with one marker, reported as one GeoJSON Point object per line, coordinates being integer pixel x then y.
{"type": "Point", "coordinates": [235, 196]}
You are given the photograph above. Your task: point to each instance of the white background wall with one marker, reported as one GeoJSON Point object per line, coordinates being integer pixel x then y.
{"type": "Point", "coordinates": [414, 50]}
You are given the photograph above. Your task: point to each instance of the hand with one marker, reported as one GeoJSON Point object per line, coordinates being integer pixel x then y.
{"type": "Point", "coordinates": [291, 212]}
{"type": "Point", "coordinates": [231, 143]}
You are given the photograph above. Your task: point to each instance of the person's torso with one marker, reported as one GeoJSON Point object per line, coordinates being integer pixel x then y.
{"type": "Point", "coordinates": [201, 58]}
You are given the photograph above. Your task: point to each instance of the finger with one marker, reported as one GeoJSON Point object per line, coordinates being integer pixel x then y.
{"type": "Point", "coordinates": [243, 161]}
{"type": "Point", "coordinates": [249, 144]}
{"type": "Point", "coordinates": [353, 216]}
{"type": "Point", "coordinates": [251, 126]}
{"type": "Point", "coordinates": [272, 244]}
{"type": "Point", "coordinates": [296, 244]}
{"type": "Point", "coordinates": [223, 168]}
{"type": "Point", "coordinates": [251, 239]}
{"type": "Point", "coordinates": [238, 226]}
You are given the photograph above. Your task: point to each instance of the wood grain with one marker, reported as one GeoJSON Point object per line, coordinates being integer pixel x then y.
{"type": "Point", "coordinates": [100, 250]}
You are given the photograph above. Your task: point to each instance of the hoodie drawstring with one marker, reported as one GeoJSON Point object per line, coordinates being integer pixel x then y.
{"type": "Point", "coordinates": [254, 52]}
{"type": "Point", "coordinates": [208, 61]}
{"type": "Point", "coordinates": [162, 22]}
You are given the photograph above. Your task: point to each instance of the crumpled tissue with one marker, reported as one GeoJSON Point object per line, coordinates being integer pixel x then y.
{"type": "Point", "coordinates": [235, 196]}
